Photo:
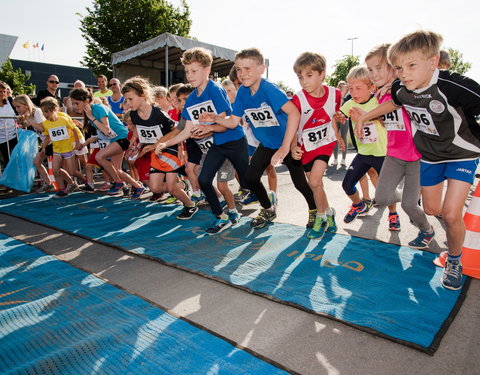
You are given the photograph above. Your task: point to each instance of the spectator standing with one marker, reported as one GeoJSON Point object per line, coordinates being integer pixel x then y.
{"type": "Point", "coordinates": [102, 85]}
{"type": "Point", "coordinates": [51, 90]}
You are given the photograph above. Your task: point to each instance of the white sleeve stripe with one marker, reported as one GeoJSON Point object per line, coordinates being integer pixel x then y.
{"type": "Point", "coordinates": [457, 84]}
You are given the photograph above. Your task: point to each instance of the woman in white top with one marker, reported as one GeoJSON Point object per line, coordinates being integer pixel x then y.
{"type": "Point", "coordinates": [8, 128]}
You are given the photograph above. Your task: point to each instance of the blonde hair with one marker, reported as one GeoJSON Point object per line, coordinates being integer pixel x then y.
{"type": "Point", "coordinates": [359, 72]}
{"type": "Point", "coordinates": [200, 55]}
{"type": "Point", "coordinates": [49, 104]}
{"type": "Point", "coordinates": [311, 60]}
{"type": "Point", "coordinates": [251, 53]}
{"type": "Point", "coordinates": [140, 86]}
{"type": "Point", "coordinates": [160, 91]}
{"type": "Point", "coordinates": [426, 42]}
{"type": "Point", "coordinates": [26, 101]}
{"type": "Point", "coordinates": [127, 116]}
{"type": "Point", "coordinates": [381, 51]}
{"type": "Point", "coordinates": [228, 83]}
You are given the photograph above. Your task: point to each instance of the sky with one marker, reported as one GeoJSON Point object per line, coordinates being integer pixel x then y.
{"type": "Point", "coordinates": [282, 30]}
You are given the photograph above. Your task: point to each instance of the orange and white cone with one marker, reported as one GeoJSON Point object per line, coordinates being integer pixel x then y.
{"type": "Point", "coordinates": [50, 174]}
{"type": "Point", "coordinates": [471, 244]}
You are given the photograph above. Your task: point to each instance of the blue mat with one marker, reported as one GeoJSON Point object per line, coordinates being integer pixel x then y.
{"type": "Point", "coordinates": [56, 319]}
{"type": "Point", "coordinates": [381, 288]}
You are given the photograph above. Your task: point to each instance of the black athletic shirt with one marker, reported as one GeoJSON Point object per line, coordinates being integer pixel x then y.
{"type": "Point", "coordinates": [443, 116]}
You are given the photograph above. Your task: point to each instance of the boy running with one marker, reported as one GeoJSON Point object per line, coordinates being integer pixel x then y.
{"type": "Point", "coordinates": [317, 133]}
{"type": "Point", "coordinates": [442, 107]}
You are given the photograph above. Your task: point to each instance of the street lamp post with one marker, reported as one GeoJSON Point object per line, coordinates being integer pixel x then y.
{"type": "Point", "coordinates": [352, 39]}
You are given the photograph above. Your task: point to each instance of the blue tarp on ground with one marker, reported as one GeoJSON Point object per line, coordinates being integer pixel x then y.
{"type": "Point", "coordinates": [391, 290]}
{"type": "Point", "coordinates": [56, 319]}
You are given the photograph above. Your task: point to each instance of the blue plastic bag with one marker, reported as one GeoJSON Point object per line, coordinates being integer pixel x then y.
{"type": "Point", "coordinates": [20, 171]}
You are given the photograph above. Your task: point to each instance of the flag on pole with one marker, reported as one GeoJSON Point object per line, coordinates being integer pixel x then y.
{"type": "Point", "coordinates": [43, 46]}
{"type": "Point", "coordinates": [25, 45]}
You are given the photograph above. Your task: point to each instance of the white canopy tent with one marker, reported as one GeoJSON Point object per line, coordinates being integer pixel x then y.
{"type": "Point", "coordinates": [159, 58]}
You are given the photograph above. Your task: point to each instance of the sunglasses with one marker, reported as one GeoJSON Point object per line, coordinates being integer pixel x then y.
{"type": "Point", "coordinates": [112, 84]}
{"type": "Point", "coordinates": [52, 81]}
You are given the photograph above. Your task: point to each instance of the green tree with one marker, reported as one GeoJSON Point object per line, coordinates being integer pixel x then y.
{"type": "Point", "coordinates": [284, 86]}
{"type": "Point", "coordinates": [16, 79]}
{"type": "Point", "coordinates": [341, 69]}
{"type": "Point", "coordinates": [114, 25]}
{"type": "Point", "coordinates": [457, 63]}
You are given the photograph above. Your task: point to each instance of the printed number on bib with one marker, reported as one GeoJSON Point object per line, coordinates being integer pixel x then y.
{"type": "Point", "coordinates": [314, 138]}
{"type": "Point", "coordinates": [101, 144]}
{"type": "Point", "coordinates": [422, 120]}
{"type": "Point", "coordinates": [370, 134]}
{"type": "Point", "coordinates": [149, 134]}
{"type": "Point", "coordinates": [205, 144]}
{"type": "Point", "coordinates": [393, 121]}
{"type": "Point", "coordinates": [262, 117]}
{"type": "Point", "coordinates": [58, 134]}
{"type": "Point", "coordinates": [196, 110]}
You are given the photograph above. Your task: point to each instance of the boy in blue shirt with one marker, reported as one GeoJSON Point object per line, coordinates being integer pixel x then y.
{"type": "Point", "coordinates": [442, 107]}
{"type": "Point", "coordinates": [274, 121]}
{"type": "Point", "coordinates": [230, 144]}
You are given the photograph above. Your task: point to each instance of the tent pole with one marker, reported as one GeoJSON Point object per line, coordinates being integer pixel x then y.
{"type": "Point", "coordinates": [166, 67]}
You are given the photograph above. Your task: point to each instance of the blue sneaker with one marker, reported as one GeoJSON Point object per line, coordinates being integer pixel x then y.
{"type": "Point", "coordinates": [198, 199]}
{"type": "Point", "coordinates": [219, 225]}
{"type": "Point", "coordinates": [116, 188]}
{"type": "Point", "coordinates": [332, 225]}
{"type": "Point", "coordinates": [452, 275]}
{"type": "Point", "coordinates": [138, 192]}
{"type": "Point", "coordinates": [320, 226]}
{"type": "Point", "coordinates": [355, 211]}
{"type": "Point", "coordinates": [249, 199]}
{"type": "Point", "coordinates": [422, 240]}
{"type": "Point", "coordinates": [234, 217]}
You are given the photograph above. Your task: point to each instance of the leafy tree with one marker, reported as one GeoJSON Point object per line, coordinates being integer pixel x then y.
{"type": "Point", "coordinates": [114, 25]}
{"type": "Point", "coordinates": [341, 69]}
{"type": "Point", "coordinates": [16, 79]}
{"type": "Point", "coordinates": [284, 86]}
{"type": "Point", "coordinates": [457, 63]}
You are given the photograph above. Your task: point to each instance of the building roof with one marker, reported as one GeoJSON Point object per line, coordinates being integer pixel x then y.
{"type": "Point", "coordinates": [152, 53]}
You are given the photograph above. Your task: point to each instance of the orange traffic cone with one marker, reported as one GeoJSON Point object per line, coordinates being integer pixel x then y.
{"type": "Point", "coordinates": [471, 245]}
{"type": "Point", "coordinates": [50, 174]}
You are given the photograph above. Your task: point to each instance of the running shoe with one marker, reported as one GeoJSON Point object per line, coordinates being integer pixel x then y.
{"type": "Point", "coordinates": [71, 188]}
{"type": "Point", "coordinates": [393, 222]}
{"type": "Point", "coordinates": [88, 187]}
{"type": "Point", "coordinates": [45, 188]}
{"type": "Point", "coordinates": [60, 194]}
{"type": "Point", "coordinates": [355, 210]}
{"type": "Point", "coordinates": [312, 214]}
{"type": "Point", "coordinates": [187, 212]}
{"type": "Point", "coordinates": [241, 195]}
{"type": "Point", "coordinates": [106, 186]}
{"type": "Point", "coordinates": [219, 225]}
{"type": "Point", "coordinates": [422, 241]}
{"type": "Point", "coordinates": [264, 217]}
{"type": "Point", "coordinates": [169, 199]}
{"type": "Point", "coordinates": [343, 163]}
{"type": "Point", "coordinates": [452, 274]}
{"type": "Point", "coordinates": [116, 188]}
{"type": "Point", "coordinates": [332, 225]}
{"type": "Point", "coordinates": [249, 199]}
{"type": "Point", "coordinates": [368, 203]}
{"type": "Point", "coordinates": [198, 199]}
{"type": "Point", "coordinates": [156, 197]}
{"type": "Point", "coordinates": [234, 217]}
{"type": "Point", "coordinates": [320, 226]}
{"type": "Point", "coordinates": [138, 192]}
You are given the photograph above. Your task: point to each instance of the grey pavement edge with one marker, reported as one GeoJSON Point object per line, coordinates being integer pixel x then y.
{"type": "Point", "coordinates": [303, 342]}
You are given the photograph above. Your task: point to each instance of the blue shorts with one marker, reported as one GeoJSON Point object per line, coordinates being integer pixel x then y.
{"type": "Point", "coordinates": [433, 174]}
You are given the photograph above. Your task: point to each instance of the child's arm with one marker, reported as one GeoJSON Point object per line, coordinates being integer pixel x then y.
{"type": "Point", "coordinates": [382, 109]}
{"type": "Point", "coordinates": [292, 126]}
{"type": "Point", "coordinates": [340, 140]}
{"type": "Point", "coordinates": [201, 131]}
{"type": "Point", "coordinates": [45, 143]}
{"type": "Point", "coordinates": [230, 122]}
{"type": "Point", "coordinates": [182, 136]}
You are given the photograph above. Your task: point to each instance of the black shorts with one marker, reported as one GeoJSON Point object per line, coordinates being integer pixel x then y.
{"type": "Point", "coordinates": [180, 170]}
{"type": "Point", "coordinates": [49, 150]}
{"type": "Point", "coordinates": [194, 154]}
{"type": "Point", "coordinates": [308, 167]}
{"type": "Point", "coordinates": [124, 143]}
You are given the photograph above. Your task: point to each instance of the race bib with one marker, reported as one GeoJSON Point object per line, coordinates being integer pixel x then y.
{"type": "Point", "coordinates": [100, 143]}
{"type": "Point", "coordinates": [262, 117]}
{"type": "Point", "coordinates": [149, 134]}
{"type": "Point", "coordinates": [196, 110]}
{"type": "Point", "coordinates": [58, 134]}
{"type": "Point", "coordinates": [205, 144]}
{"type": "Point", "coordinates": [314, 138]}
{"type": "Point", "coordinates": [393, 121]}
{"type": "Point", "coordinates": [370, 134]}
{"type": "Point", "coordinates": [422, 120]}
